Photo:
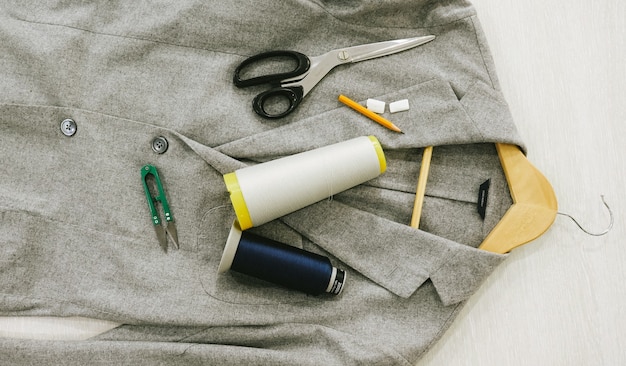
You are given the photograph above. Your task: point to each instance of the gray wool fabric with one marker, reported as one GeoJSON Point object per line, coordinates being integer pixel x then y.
{"type": "Point", "coordinates": [75, 233]}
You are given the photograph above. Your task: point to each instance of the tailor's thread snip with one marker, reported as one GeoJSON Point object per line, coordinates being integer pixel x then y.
{"type": "Point", "coordinates": [266, 191]}
{"type": "Point", "coordinates": [280, 263]}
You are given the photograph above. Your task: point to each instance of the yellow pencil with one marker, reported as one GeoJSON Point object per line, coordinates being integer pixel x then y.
{"type": "Point", "coordinates": [366, 112]}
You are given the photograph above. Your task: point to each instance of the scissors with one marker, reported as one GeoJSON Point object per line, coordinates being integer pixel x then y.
{"type": "Point", "coordinates": [296, 84]}
{"type": "Point", "coordinates": [170, 228]}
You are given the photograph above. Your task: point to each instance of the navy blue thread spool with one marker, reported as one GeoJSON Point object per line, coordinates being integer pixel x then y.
{"type": "Point", "coordinates": [280, 263]}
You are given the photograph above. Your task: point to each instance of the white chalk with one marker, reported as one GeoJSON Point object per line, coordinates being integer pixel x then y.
{"type": "Point", "coordinates": [376, 106]}
{"type": "Point", "coordinates": [399, 106]}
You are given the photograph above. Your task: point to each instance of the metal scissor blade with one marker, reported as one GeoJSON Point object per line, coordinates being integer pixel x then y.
{"type": "Point", "coordinates": [321, 65]}
{"type": "Point", "coordinates": [379, 49]}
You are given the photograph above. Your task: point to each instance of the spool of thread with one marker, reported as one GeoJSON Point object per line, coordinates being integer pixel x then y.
{"type": "Point", "coordinates": [280, 263]}
{"type": "Point", "coordinates": [266, 191]}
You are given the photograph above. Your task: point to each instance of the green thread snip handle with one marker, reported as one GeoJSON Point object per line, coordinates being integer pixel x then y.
{"type": "Point", "coordinates": [145, 171]}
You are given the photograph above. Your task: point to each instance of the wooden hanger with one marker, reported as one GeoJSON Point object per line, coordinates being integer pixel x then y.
{"type": "Point", "coordinates": [534, 206]}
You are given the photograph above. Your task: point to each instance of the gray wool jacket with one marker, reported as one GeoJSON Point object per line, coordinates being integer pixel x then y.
{"type": "Point", "coordinates": [75, 233]}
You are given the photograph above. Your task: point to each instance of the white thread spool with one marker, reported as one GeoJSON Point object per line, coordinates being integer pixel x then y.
{"type": "Point", "coordinates": [264, 192]}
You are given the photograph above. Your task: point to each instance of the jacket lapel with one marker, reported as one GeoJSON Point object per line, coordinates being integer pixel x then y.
{"type": "Point", "coordinates": [436, 117]}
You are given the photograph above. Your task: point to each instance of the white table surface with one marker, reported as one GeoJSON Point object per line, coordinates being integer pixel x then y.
{"type": "Point", "coordinates": [560, 300]}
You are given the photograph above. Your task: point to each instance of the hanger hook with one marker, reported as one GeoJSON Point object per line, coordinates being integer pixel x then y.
{"type": "Point", "coordinates": [590, 233]}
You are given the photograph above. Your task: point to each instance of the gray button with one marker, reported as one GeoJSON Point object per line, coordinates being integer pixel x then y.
{"type": "Point", "coordinates": [159, 145]}
{"type": "Point", "coordinates": [68, 127]}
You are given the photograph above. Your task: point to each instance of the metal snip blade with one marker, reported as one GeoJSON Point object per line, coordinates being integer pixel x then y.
{"type": "Point", "coordinates": [173, 233]}
{"type": "Point", "coordinates": [160, 233]}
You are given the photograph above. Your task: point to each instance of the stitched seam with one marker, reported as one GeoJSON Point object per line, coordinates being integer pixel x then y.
{"type": "Point", "coordinates": [480, 49]}
{"type": "Point", "coordinates": [444, 327]}
{"type": "Point", "coordinates": [325, 10]}
{"type": "Point", "coordinates": [445, 259]}
{"type": "Point", "coordinates": [145, 39]}
{"type": "Point", "coordinates": [131, 37]}
{"type": "Point", "coordinates": [87, 111]}
{"type": "Point", "coordinates": [61, 301]}
{"type": "Point", "coordinates": [38, 216]}
{"type": "Point", "coordinates": [480, 132]}
{"type": "Point", "coordinates": [384, 350]}
{"type": "Point", "coordinates": [185, 338]}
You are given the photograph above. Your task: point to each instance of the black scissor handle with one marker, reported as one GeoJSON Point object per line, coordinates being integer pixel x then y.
{"type": "Point", "coordinates": [303, 65]}
{"type": "Point", "coordinates": [293, 94]}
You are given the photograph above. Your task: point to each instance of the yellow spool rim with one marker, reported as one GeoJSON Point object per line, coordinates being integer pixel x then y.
{"type": "Point", "coordinates": [239, 203]}
{"type": "Point", "coordinates": [380, 153]}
